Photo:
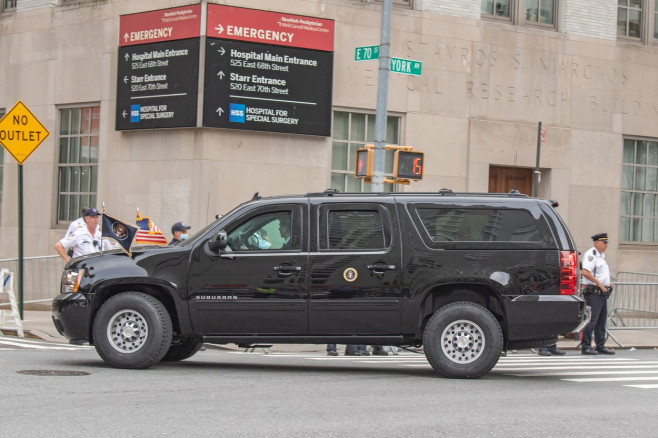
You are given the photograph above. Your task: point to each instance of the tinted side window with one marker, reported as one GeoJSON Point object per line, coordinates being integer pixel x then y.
{"type": "Point", "coordinates": [355, 230]}
{"type": "Point", "coordinates": [479, 225]}
{"type": "Point", "coordinates": [263, 232]}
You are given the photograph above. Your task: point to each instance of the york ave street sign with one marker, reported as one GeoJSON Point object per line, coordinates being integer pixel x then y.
{"type": "Point", "coordinates": [21, 133]}
{"type": "Point", "coordinates": [406, 66]}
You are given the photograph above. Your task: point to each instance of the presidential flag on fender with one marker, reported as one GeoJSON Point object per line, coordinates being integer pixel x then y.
{"type": "Point", "coordinates": [120, 232]}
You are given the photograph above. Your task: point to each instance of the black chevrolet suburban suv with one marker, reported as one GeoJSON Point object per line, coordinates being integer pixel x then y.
{"type": "Point", "coordinates": [466, 276]}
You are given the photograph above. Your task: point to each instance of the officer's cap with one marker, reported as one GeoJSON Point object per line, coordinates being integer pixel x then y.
{"type": "Point", "coordinates": [179, 226]}
{"type": "Point", "coordinates": [92, 212]}
{"type": "Point", "coordinates": [600, 236]}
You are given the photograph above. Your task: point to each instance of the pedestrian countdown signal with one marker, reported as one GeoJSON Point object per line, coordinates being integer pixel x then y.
{"type": "Point", "coordinates": [407, 164]}
{"type": "Point", "coordinates": [364, 161]}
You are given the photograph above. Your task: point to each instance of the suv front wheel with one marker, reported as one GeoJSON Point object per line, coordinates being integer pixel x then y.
{"type": "Point", "coordinates": [463, 340]}
{"type": "Point", "coordinates": [132, 330]}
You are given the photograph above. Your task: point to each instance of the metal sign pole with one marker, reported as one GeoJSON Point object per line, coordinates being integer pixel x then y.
{"type": "Point", "coordinates": [382, 98]}
{"type": "Point", "coordinates": [20, 240]}
{"type": "Point", "coordinates": [535, 188]}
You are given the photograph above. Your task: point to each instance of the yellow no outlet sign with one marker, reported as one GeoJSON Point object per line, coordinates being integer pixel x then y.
{"type": "Point", "coordinates": [21, 133]}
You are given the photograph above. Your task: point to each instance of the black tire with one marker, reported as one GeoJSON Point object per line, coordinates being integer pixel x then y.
{"type": "Point", "coordinates": [132, 330]}
{"type": "Point", "coordinates": [463, 340]}
{"type": "Point", "coordinates": [182, 348]}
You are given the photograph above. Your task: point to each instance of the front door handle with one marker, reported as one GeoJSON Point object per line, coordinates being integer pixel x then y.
{"type": "Point", "coordinates": [380, 268]}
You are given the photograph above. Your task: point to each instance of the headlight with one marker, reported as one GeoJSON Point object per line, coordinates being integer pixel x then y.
{"type": "Point", "coordinates": [71, 280]}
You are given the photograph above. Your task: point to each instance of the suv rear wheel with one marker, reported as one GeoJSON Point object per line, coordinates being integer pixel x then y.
{"type": "Point", "coordinates": [463, 340]}
{"type": "Point", "coordinates": [132, 330]}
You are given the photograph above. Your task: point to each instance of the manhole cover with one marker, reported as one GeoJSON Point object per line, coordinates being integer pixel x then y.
{"type": "Point", "coordinates": [53, 373]}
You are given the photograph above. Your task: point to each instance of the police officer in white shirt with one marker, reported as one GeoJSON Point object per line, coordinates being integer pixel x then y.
{"type": "Point", "coordinates": [596, 290]}
{"type": "Point", "coordinates": [85, 240]}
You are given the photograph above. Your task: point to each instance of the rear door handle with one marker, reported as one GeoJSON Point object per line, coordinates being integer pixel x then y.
{"type": "Point", "coordinates": [286, 269]}
{"type": "Point", "coordinates": [380, 268]}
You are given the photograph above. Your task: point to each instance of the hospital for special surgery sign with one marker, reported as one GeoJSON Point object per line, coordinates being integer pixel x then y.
{"type": "Point", "coordinates": [21, 133]}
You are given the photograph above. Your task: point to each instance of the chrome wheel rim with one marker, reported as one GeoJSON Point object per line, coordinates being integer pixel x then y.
{"type": "Point", "coordinates": [127, 331]}
{"type": "Point", "coordinates": [462, 341]}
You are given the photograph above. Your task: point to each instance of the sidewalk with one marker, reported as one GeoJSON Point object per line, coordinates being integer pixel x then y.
{"type": "Point", "coordinates": [38, 324]}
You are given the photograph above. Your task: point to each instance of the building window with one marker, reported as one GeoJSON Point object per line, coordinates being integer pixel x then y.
{"type": "Point", "coordinates": [496, 8]}
{"type": "Point", "coordinates": [655, 21]}
{"type": "Point", "coordinates": [352, 131]}
{"type": "Point", "coordinates": [519, 12]}
{"type": "Point", "coordinates": [407, 3]}
{"type": "Point", "coordinates": [639, 192]}
{"type": "Point", "coordinates": [78, 161]}
{"type": "Point", "coordinates": [629, 18]}
{"type": "Point", "coordinates": [7, 4]}
{"type": "Point", "coordinates": [540, 11]}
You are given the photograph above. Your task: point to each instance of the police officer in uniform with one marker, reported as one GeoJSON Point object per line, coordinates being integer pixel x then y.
{"type": "Point", "coordinates": [85, 240]}
{"type": "Point", "coordinates": [179, 231]}
{"type": "Point", "coordinates": [596, 290]}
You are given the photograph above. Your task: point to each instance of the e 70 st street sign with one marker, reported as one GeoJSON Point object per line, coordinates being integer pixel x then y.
{"type": "Point", "coordinates": [366, 53]}
{"type": "Point", "coordinates": [398, 65]}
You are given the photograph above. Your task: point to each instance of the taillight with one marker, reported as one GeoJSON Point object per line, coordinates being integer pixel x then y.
{"type": "Point", "coordinates": [568, 272]}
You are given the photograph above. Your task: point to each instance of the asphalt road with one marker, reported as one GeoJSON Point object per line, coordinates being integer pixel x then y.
{"type": "Point", "coordinates": [57, 390]}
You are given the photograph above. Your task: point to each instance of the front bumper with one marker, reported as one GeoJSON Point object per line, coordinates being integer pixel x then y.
{"type": "Point", "coordinates": [71, 313]}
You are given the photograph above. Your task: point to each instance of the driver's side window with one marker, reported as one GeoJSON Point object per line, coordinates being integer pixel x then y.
{"type": "Point", "coordinates": [267, 231]}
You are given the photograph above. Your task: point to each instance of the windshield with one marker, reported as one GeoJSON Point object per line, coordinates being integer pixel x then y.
{"type": "Point", "coordinates": [202, 232]}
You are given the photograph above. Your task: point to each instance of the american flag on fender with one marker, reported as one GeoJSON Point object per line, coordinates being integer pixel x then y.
{"type": "Point", "coordinates": [148, 232]}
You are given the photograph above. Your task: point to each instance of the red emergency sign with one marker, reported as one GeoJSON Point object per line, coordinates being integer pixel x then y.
{"type": "Point", "coordinates": [161, 25]}
{"type": "Point", "coordinates": [227, 22]}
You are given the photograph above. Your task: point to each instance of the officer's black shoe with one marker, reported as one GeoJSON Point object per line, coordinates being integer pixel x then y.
{"type": "Point", "coordinates": [379, 353]}
{"type": "Point", "coordinates": [604, 350]}
{"type": "Point", "coordinates": [590, 351]}
{"type": "Point", "coordinates": [556, 351]}
{"type": "Point", "coordinates": [543, 351]}
{"type": "Point", "coordinates": [332, 353]}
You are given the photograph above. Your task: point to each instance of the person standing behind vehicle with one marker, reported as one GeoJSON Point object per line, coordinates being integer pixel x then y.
{"type": "Point", "coordinates": [179, 230]}
{"type": "Point", "coordinates": [76, 225]}
{"type": "Point", "coordinates": [596, 290]}
{"type": "Point", "coordinates": [85, 240]}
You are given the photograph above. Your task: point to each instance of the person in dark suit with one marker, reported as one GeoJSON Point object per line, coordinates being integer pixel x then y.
{"type": "Point", "coordinates": [284, 230]}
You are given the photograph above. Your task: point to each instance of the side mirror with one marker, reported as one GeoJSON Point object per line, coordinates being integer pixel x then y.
{"type": "Point", "coordinates": [219, 242]}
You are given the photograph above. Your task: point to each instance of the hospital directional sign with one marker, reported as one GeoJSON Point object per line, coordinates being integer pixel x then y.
{"type": "Point", "coordinates": [21, 133]}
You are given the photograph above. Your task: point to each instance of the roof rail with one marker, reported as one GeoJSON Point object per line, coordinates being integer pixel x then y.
{"type": "Point", "coordinates": [327, 192]}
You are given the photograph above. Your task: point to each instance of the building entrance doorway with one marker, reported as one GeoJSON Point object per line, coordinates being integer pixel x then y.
{"type": "Point", "coordinates": [504, 179]}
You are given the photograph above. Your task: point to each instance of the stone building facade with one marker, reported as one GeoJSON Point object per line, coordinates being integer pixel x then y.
{"type": "Point", "coordinates": [584, 68]}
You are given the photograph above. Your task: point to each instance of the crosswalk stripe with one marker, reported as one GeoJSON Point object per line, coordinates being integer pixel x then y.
{"type": "Point", "coordinates": [647, 386]}
{"type": "Point", "coordinates": [36, 345]}
{"type": "Point", "coordinates": [585, 373]}
{"type": "Point", "coordinates": [573, 367]}
{"type": "Point", "coordinates": [610, 379]}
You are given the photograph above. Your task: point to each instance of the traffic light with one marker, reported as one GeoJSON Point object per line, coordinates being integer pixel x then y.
{"type": "Point", "coordinates": [408, 165]}
{"type": "Point", "coordinates": [364, 159]}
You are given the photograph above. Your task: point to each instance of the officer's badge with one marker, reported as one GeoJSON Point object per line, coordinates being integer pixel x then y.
{"type": "Point", "coordinates": [590, 258]}
{"type": "Point", "coordinates": [350, 274]}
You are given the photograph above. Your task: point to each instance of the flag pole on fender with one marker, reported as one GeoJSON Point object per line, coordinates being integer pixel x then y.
{"type": "Point", "coordinates": [119, 231]}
